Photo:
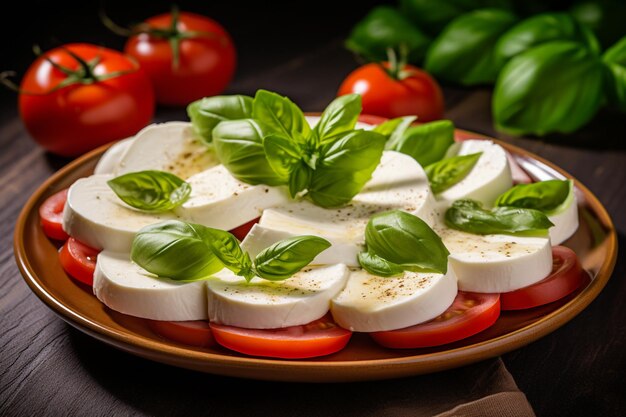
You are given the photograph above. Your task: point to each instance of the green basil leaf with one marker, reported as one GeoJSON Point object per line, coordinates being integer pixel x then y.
{"type": "Point", "coordinates": [288, 256]}
{"type": "Point", "coordinates": [155, 191]}
{"type": "Point", "coordinates": [427, 143]}
{"type": "Point", "coordinates": [545, 196]}
{"type": "Point", "coordinates": [406, 240]}
{"type": "Point", "coordinates": [226, 248]}
{"type": "Point", "coordinates": [207, 112]}
{"type": "Point", "coordinates": [555, 87]}
{"type": "Point", "coordinates": [300, 179]}
{"type": "Point", "coordinates": [283, 155]}
{"type": "Point", "coordinates": [469, 216]}
{"type": "Point", "coordinates": [175, 250]}
{"type": "Point", "coordinates": [280, 115]}
{"type": "Point", "coordinates": [447, 172]}
{"type": "Point", "coordinates": [239, 147]}
{"type": "Point", "coordinates": [344, 167]}
{"type": "Point", "coordinates": [378, 266]}
{"type": "Point", "coordinates": [540, 29]}
{"type": "Point", "coordinates": [432, 16]}
{"type": "Point", "coordinates": [465, 51]}
{"type": "Point", "coordinates": [340, 116]}
{"type": "Point", "coordinates": [393, 129]}
{"type": "Point", "coordinates": [384, 27]}
{"type": "Point", "coordinates": [615, 62]}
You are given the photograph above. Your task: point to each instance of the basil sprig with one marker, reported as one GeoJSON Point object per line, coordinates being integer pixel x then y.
{"type": "Point", "coordinates": [329, 164]}
{"type": "Point", "coordinates": [447, 172]}
{"type": "Point", "coordinates": [546, 196]}
{"type": "Point", "coordinates": [207, 112]}
{"type": "Point", "coordinates": [154, 191]}
{"type": "Point", "coordinates": [615, 63]}
{"type": "Point", "coordinates": [187, 252]}
{"type": "Point", "coordinates": [398, 241]}
{"type": "Point", "coordinates": [469, 216]}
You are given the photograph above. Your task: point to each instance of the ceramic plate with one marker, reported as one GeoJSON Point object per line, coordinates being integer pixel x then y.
{"type": "Point", "coordinates": [595, 243]}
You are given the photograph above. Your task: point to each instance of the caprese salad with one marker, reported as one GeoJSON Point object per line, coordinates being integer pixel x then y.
{"type": "Point", "coordinates": [275, 234]}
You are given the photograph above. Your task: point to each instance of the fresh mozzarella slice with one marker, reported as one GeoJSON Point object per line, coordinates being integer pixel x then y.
{"type": "Point", "coordinates": [398, 183]}
{"type": "Point", "coordinates": [126, 287]}
{"type": "Point", "coordinates": [496, 263]}
{"type": "Point", "coordinates": [220, 200]}
{"type": "Point", "coordinates": [97, 217]}
{"type": "Point", "coordinates": [110, 160]}
{"type": "Point", "coordinates": [259, 238]}
{"type": "Point", "coordinates": [313, 120]}
{"type": "Point", "coordinates": [490, 177]}
{"type": "Point", "coordinates": [371, 303]}
{"type": "Point", "coordinates": [565, 222]}
{"type": "Point", "coordinates": [262, 304]}
{"type": "Point", "coordinates": [171, 147]}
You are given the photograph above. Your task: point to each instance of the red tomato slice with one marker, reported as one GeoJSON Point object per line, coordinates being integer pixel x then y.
{"type": "Point", "coordinates": [78, 260]}
{"type": "Point", "coordinates": [51, 216]}
{"type": "Point", "coordinates": [318, 338]}
{"type": "Point", "coordinates": [470, 313]}
{"type": "Point", "coordinates": [240, 232]}
{"type": "Point", "coordinates": [566, 277]}
{"type": "Point", "coordinates": [193, 333]}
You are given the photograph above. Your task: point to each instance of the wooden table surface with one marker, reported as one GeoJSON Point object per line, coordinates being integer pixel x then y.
{"type": "Point", "coordinates": [46, 365]}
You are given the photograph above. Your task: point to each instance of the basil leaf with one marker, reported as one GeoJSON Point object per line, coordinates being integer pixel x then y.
{"type": "Point", "coordinates": [469, 216]}
{"type": "Point", "coordinates": [280, 115]}
{"type": "Point", "coordinates": [376, 265]}
{"type": "Point", "coordinates": [155, 191]}
{"type": "Point", "coordinates": [465, 51]}
{"type": "Point", "coordinates": [239, 147]}
{"type": "Point", "coordinates": [344, 167]}
{"type": "Point", "coordinates": [300, 179]}
{"type": "Point", "coordinates": [393, 129]}
{"type": "Point", "coordinates": [427, 143]}
{"type": "Point", "coordinates": [555, 87]}
{"type": "Point", "coordinates": [175, 250]}
{"type": "Point", "coordinates": [384, 27]}
{"type": "Point", "coordinates": [432, 16]}
{"type": "Point", "coordinates": [541, 29]}
{"type": "Point", "coordinates": [207, 112]}
{"type": "Point", "coordinates": [340, 116]}
{"type": "Point", "coordinates": [288, 256]}
{"type": "Point", "coordinates": [282, 154]}
{"type": "Point", "coordinates": [407, 241]}
{"type": "Point", "coordinates": [604, 17]}
{"type": "Point", "coordinates": [544, 196]}
{"type": "Point", "coordinates": [226, 248]}
{"type": "Point", "coordinates": [615, 62]}
{"type": "Point", "coordinates": [447, 172]}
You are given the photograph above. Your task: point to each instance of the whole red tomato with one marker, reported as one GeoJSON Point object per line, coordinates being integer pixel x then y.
{"type": "Point", "coordinates": [388, 93]}
{"type": "Point", "coordinates": [187, 56]}
{"type": "Point", "coordinates": [77, 97]}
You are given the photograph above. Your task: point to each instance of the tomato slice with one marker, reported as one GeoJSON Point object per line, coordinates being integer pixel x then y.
{"type": "Point", "coordinates": [51, 216]}
{"type": "Point", "coordinates": [566, 277]}
{"type": "Point", "coordinates": [78, 260]}
{"type": "Point", "coordinates": [470, 313]}
{"type": "Point", "coordinates": [193, 333]}
{"type": "Point", "coordinates": [318, 338]}
{"type": "Point", "coordinates": [240, 232]}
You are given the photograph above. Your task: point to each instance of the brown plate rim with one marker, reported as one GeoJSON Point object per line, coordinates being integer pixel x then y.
{"type": "Point", "coordinates": [311, 371]}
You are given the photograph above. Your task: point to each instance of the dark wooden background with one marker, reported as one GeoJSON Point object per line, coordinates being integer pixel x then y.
{"type": "Point", "coordinates": [46, 366]}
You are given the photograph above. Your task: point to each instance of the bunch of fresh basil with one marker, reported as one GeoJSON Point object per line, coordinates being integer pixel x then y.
{"type": "Point", "coordinates": [397, 241]}
{"type": "Point", "coordinates": [267, 140]}
{"type": "Point", "coordinates": [187, 252]}
{"type": "Point", "coordinates": [549, 74]}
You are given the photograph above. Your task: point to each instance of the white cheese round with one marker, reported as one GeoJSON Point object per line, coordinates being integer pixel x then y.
{"type": "Point", "coordinates": [96, 216]}
{"type": "Point", "coordinates": [565, 222]}
{"type": "Point", "coordinates": [172, 147]}
{"type": "Point", "coordinates": [490, 177]}
{"type": "Point", "coordinates": [371, 303]}
{"type": "Point", "coordinates": [125, 287]}
{"type": "Point", "coordinates": [110, 160]}
{"type": "Point", "coordinates": [262, 304]}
